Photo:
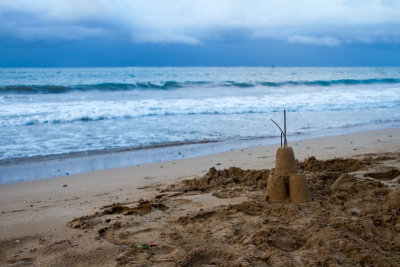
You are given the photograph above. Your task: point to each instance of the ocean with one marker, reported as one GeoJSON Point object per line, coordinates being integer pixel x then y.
{"type": "Point", "coordinates": [62, 113]}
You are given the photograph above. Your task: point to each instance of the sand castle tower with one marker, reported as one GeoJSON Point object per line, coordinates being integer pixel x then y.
{"type": "Point", "coordinates": [284, 183]}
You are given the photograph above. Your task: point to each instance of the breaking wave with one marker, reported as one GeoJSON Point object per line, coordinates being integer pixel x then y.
{"type": "Point", "coordinates": [88, 111]}
{"type": "Point", "coordinates": [168, 85]}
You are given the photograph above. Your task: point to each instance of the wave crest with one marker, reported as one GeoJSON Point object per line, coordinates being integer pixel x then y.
{"type": "Point", "coordinates": [168, 85]}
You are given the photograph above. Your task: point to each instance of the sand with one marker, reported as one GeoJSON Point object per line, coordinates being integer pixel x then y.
{"type": "Point", "coordinates": [211, 210]}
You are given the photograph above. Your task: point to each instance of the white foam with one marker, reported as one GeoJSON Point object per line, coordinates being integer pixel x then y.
{"type": "Point", "coordinates": [13, 114]}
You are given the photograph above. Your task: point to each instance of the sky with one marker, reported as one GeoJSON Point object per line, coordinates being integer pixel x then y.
{"type": "Point", "coordinates": [80, 33]}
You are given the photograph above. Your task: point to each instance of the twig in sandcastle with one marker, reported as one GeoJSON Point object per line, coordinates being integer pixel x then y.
{"type": "Point", "coordinates": [284, 126]}
{"type": "Point", "coordinates": [283, 132]}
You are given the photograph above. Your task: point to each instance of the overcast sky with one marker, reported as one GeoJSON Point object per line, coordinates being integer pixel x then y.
{"type": "Point", "coordinates": [188, 32]}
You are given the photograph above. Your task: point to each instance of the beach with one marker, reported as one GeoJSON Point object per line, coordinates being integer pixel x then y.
{"type": "Point", "coordinates": [105, 217]}
{"type": "Point", "coordinates": [207, 133]}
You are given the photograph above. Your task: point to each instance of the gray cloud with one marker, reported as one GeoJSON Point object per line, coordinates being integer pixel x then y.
{"type": "Point", "coordinates": [314, 22]}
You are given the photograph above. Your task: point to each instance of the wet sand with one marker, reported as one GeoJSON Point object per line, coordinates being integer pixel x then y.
{"type": "Point", "coordinates": [200, 211]}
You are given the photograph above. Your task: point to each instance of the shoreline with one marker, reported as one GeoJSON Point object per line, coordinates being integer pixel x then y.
{"type": "Point", "coordinates": [55, 166]}
{"type": "Point", "coordinates": [39, 210]}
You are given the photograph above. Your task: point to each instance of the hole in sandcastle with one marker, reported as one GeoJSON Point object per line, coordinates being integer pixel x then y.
{"type": "Point", "coordinates": [209, 258]}
{"type": "Point", "coordinates": [284, 183]}
{"type": "Point", "coordinates": [385, 175]}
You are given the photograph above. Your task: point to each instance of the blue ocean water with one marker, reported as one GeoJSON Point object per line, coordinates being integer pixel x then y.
{"type": "Point", "coordinates": [62, 111]}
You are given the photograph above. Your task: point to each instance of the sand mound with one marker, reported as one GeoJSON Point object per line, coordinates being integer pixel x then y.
{"type": "Point", "coordinates": [345, 182]}
{"type": "Point", "coordinates": [228, 178]}
{"type": "Point", "coordinates": [393, 199]}
{"type": "Point", "coordinates": [332, 165]}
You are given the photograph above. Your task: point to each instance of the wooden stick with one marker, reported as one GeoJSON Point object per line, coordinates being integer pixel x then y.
{"type": "Point", "coordinates": [277, 126]}
{"type": "Point", "coordinates": [284, 127]}
{"type": "Point", "coordinates": [282, 133]}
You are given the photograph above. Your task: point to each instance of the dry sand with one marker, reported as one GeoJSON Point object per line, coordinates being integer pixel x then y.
{"type": "Point", "coordinates": [202, 212]}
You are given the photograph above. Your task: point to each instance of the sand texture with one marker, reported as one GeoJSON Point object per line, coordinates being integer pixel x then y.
{"type": "Point", "coordinates": [285, 161]}
{"type": "Point", "coordinates": [219, 217]}
{"type": "Point", "coordinates": [299, 191]}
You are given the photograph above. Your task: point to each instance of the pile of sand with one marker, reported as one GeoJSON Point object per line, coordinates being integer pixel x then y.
{"type": "Point", "coordinates": [227, 178]}
{"type": "Point", "coordinates": [332, 165]}
{"type": "Point", "coordinates": [223, 219]}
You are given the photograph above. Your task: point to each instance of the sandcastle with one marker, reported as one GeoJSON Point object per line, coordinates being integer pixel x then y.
{"type": "Point", "coordinates": [285, 183]}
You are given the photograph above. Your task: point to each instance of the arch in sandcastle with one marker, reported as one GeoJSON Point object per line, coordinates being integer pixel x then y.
{"type": "Point", "coordinates": [284, 183]}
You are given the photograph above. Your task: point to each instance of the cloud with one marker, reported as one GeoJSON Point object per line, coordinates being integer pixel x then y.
{"type": "Point", "coordinates": [328, 41]}
{"type": "Point", "coordinates": [314, 22]}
